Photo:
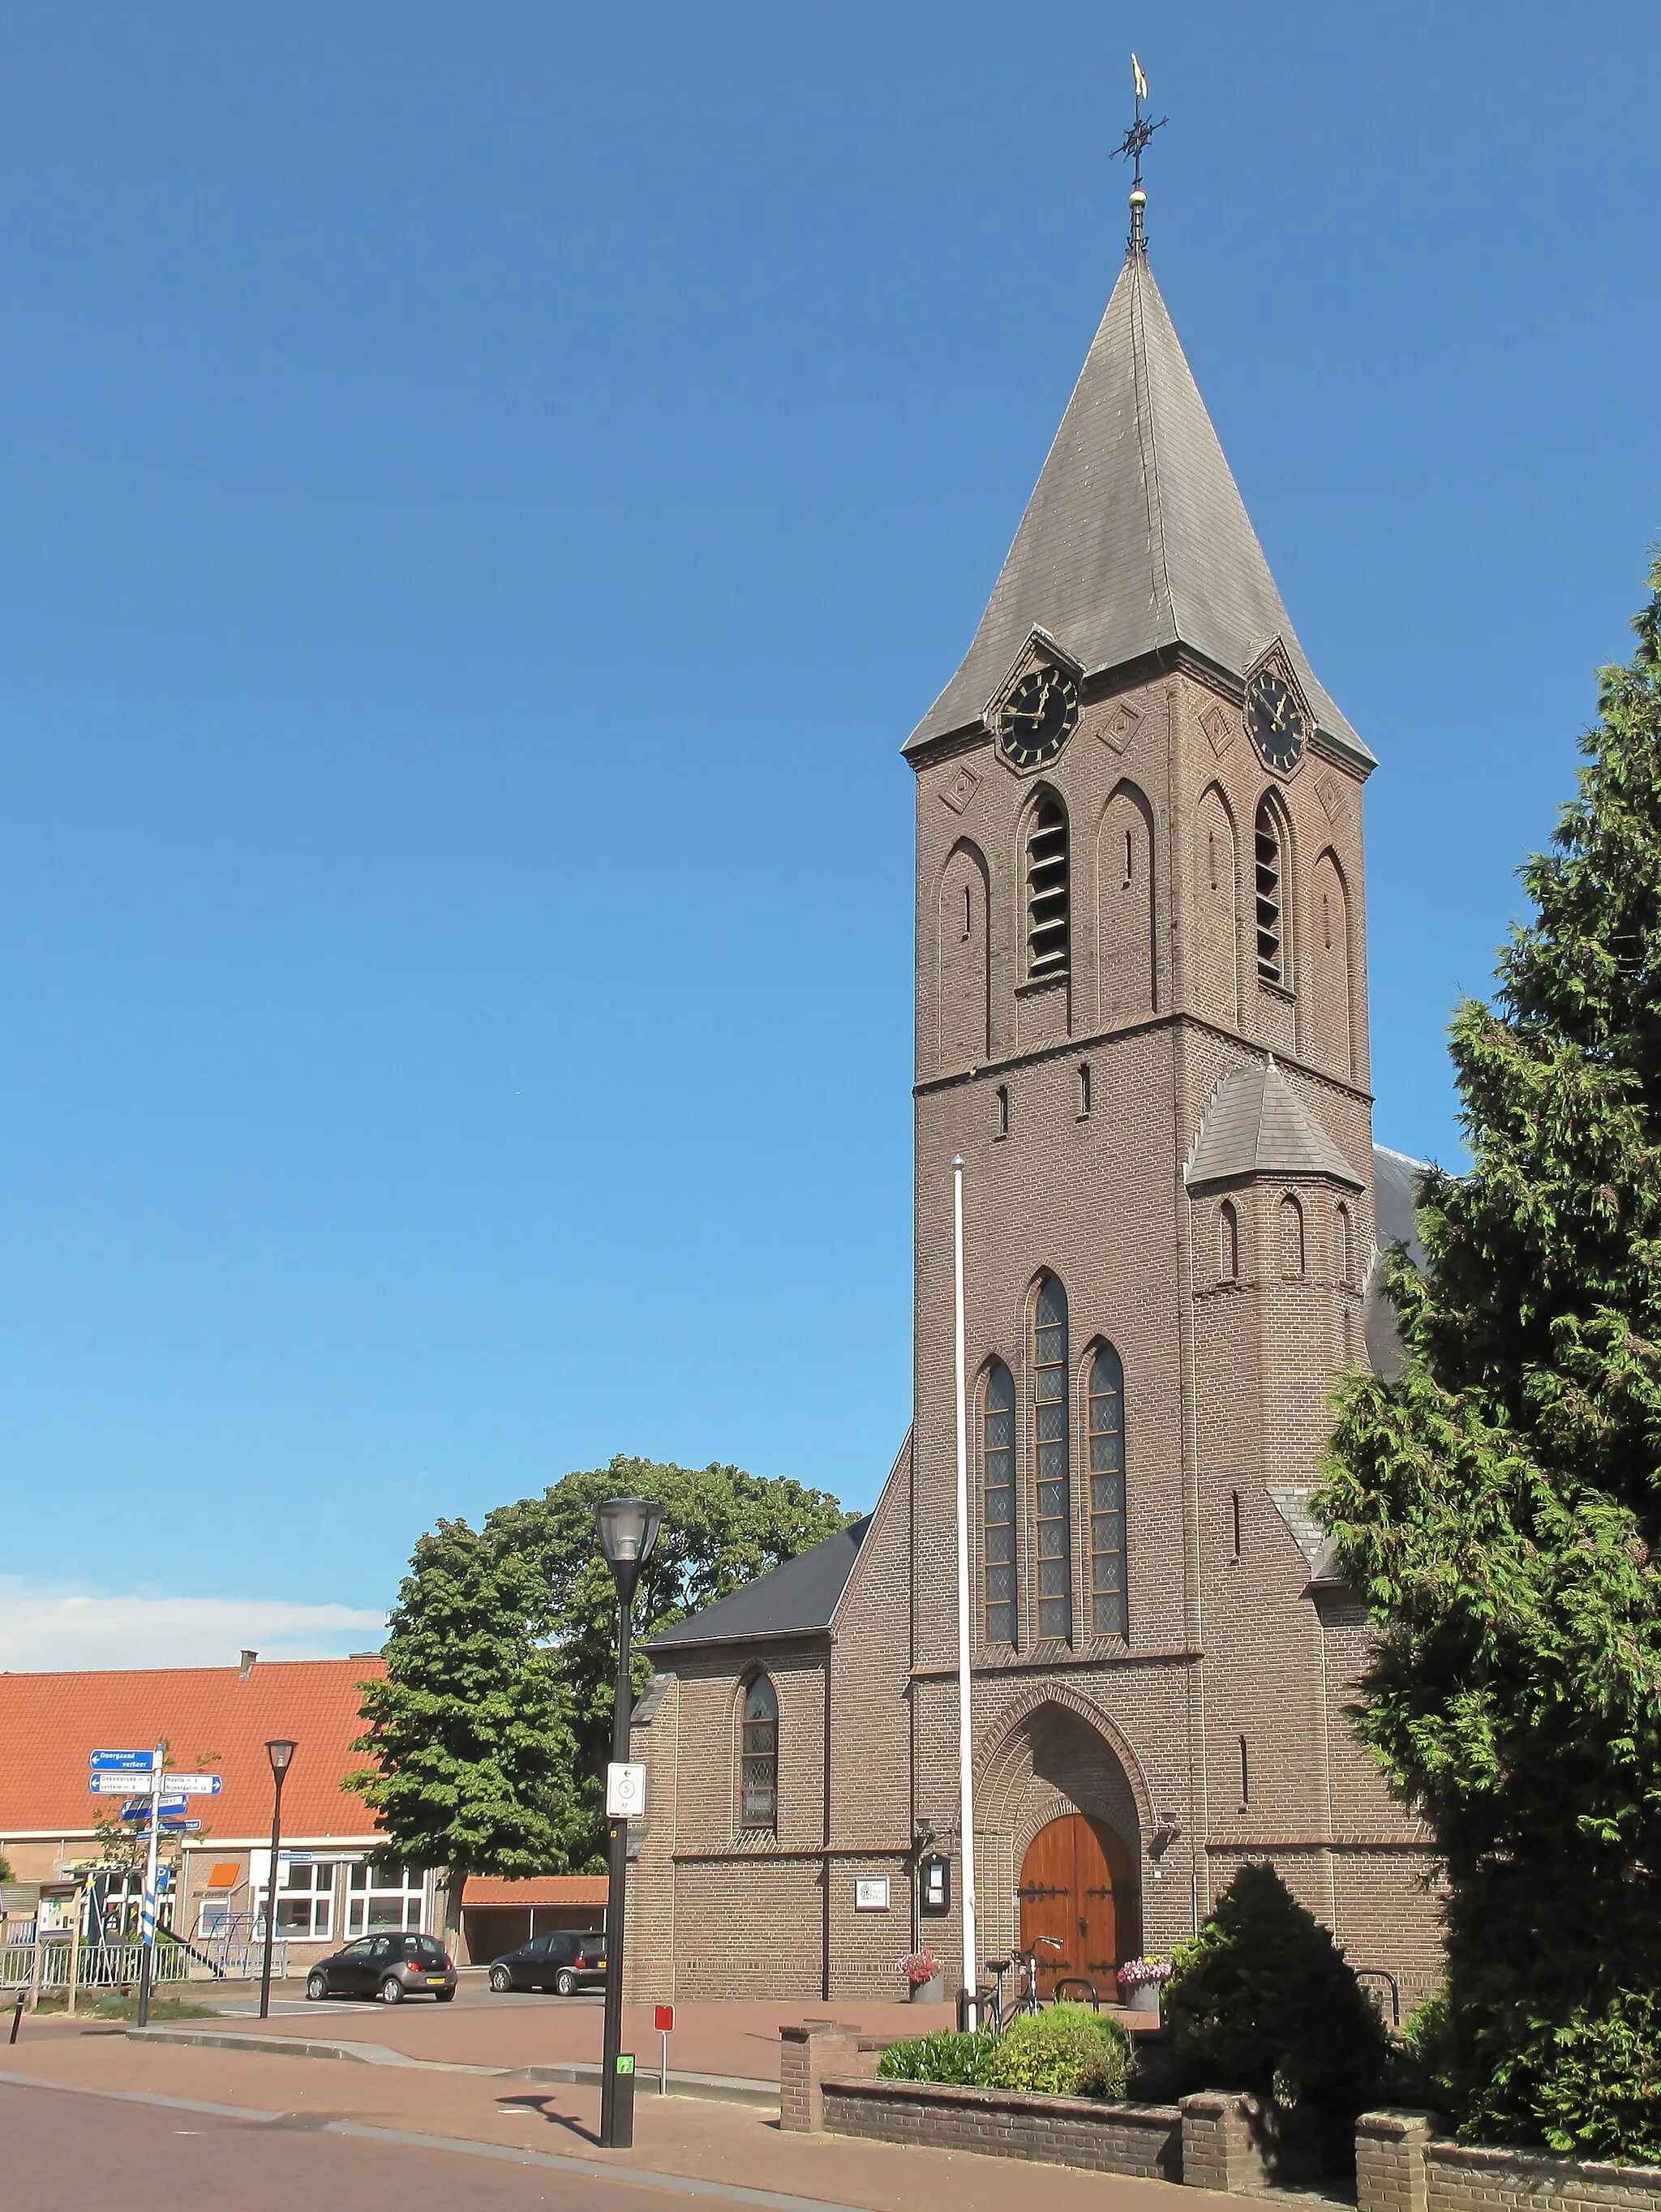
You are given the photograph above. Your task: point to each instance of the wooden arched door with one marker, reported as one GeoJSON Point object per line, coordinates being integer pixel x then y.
{"type": "Point", "coordinates": [1077, 1886]}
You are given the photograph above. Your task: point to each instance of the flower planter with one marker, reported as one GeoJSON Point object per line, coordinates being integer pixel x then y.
{"type": "Point", "coordinates": [929, 1992]}
{"type": "Point", "coordinates": [1143, 1997]}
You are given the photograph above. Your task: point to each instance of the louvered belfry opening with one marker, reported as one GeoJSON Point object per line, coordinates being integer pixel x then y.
{"type": "Point", "coordinates": [1271, 954]}
{"type": "Point", "coordinates": [1046, 889]}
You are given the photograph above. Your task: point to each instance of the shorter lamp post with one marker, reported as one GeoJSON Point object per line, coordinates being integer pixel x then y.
{"type": "Point", "coordinates": [279, 1750]}
{"type": "Point", "coordinates": [628, 1532]}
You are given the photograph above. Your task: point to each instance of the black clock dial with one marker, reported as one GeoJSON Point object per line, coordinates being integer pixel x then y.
{"type": "Point", "coordinates": [1277, 723]}
{"type": "Point", "coordinates": [1036, 718]}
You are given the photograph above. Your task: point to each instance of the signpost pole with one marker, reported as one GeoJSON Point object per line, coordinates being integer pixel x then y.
{"type": "Point", "coordinates": [75, 1949]}
{"type": "Point", "coordinates": [146, 1954]}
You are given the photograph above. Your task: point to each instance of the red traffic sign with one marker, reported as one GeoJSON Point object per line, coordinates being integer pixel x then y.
{"type": "Point", "coordinates": [665, 2018]}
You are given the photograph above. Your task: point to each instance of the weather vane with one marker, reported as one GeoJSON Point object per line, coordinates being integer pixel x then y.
{"type": "Point", "coordinates": [1135, 139]}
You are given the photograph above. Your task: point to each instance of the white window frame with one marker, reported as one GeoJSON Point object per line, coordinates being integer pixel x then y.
{"type": "Point", "coordinates": [316, 1894]}
{"type": "Point", "coordinates": [372, 1888]}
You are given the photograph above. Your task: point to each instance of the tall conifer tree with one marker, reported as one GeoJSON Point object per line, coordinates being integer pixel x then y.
{"type": "Point", "coordinates": [1500, 1505]}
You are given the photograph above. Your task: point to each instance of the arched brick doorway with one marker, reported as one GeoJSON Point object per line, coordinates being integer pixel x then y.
{"type": "Point", "coordinates": [1078, 1887]}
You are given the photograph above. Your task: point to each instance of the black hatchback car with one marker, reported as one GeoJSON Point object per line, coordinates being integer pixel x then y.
{"type": "Point", "coordinates": [565, 1962]}
{"type": "Point", "coordinates": [391, 1967]}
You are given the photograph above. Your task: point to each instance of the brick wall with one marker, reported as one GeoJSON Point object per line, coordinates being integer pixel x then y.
{"type": "Point", "coordinates": [1143, 2140]}
{"type": "Point", "coordinates": [1401, 2167]}
{"type": "Point", "coordinates": [1227, 1391]}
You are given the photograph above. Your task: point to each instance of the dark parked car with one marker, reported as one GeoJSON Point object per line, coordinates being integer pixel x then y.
{"type": "Point", "coordinates": [566, 1962]}
{"type": "Point", "coordinates": [390, 1968]}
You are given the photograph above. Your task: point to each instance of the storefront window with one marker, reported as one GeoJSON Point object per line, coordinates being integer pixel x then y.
{"type": "Point", "coordinates": [383, 1897]}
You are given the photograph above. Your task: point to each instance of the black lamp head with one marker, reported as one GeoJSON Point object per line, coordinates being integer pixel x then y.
{"type": "Point", "coordinates": [628, 1535]}
{"type": "Point", "coordinates": [279, 1750]}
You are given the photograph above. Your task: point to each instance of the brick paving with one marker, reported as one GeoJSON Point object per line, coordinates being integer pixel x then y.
{"type": "Point", "coordinates": [716, 2143]}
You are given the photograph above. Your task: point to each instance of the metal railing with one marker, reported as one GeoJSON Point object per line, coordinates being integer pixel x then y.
{"type": "Point", "coordinates": [1366, 1974]}
{"type": "Point", "coordinates": [115, 1965]}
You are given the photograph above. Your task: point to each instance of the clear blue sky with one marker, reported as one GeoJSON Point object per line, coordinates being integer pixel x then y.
{"type": "Point", "coordinates": [485, 492]}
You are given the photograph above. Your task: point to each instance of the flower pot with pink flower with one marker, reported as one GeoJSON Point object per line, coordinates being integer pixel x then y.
{"type": "Point", "coordinates": [925, 1978]}
{"type": "Point", "coordinates": [1140, 1981]}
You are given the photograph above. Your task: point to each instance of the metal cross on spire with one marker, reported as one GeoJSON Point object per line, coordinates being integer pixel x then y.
{"type": "Point", "coordinates": [1132, 146]}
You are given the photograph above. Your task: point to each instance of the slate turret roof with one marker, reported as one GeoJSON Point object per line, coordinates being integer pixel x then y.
{"type": "Point", "coordinates": [1136, 537]}
{"type": "Point", "coordinates": [1256, 1124]}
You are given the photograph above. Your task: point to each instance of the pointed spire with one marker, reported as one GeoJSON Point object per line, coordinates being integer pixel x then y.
{"type": "Point", "coordinates": [1135, 539]}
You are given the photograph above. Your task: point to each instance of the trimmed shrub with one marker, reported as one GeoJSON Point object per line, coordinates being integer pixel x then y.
{"type": "Point", "coordinates": [1262, 2000]}
{"type": "Point", "coordinates": [959, 2061]}
{"type": "Point", "coordinates": [1065, 2051]}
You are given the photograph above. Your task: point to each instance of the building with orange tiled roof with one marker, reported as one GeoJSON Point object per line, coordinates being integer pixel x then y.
{"type": "Point", "coordinates": [219, 1719]}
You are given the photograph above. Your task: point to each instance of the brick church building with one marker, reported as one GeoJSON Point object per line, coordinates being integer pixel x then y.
{"type": "Point", "coordinates": [1142, 1020]}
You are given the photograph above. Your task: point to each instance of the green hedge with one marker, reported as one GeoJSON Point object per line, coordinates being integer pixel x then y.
{"type": "Point", "coordinates": [1065, 2051]}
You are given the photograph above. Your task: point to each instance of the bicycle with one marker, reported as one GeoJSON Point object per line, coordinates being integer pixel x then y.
{"type": "Point", "coordinates": [1027, 1987]}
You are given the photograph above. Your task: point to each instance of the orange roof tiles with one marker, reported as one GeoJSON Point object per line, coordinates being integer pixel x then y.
{"type": "Point", "coordinates": [535, 1889]}
{"type": "Point", "coordinates": [210, 1718]}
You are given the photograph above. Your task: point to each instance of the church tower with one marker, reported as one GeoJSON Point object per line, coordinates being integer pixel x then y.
{"type": "Point", "coordinates": [1142, 1024]}
{"type": "Point", "coordinates": [1143, 1027]}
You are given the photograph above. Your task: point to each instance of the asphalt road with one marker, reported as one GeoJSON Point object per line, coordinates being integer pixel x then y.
{"type": "Point", "coordinates": [289, 2000]}
{"type": "Point", "coordinates": [68, 2149]}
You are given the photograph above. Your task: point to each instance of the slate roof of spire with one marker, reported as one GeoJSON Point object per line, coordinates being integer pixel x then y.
{"type": "Point", "coordinates": [1136, 536]}
{"type": "Point", "coordinates": [1256, 1124]}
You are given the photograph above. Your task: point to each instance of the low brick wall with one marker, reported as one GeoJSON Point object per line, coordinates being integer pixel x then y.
{"type": "Point", "coordinates": [1143, 2140]}
{"type": "Point", "coordinates": [1459, 2178]}
{"type": "Point", "coordinates": [1402, 2166]}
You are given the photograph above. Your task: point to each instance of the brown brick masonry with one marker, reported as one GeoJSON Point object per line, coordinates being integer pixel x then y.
{"type": "Point", "coordinates": [1400, 2167]}
{"type": "Point", "coordinates": [827, 2081]}
{"type": "Point", "coordinates": [1143, 2140]}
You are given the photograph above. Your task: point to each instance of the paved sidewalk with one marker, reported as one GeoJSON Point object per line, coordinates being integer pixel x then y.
{"type": "Point", "coordinates": [735, 2039]}
{"type": "Point", "coordinates": [720, 2144]}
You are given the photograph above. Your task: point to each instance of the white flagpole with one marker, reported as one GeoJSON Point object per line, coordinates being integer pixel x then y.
{"type": "Point", "coordinates": [965, 1731]}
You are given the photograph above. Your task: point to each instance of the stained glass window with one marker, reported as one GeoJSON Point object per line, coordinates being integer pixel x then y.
{"type": "Point", "coordinates": [759, 1757]}
{"type": "Point", "coordinates": [1050, 1462]}
{"type": "Point", "coordinates": [1110, 1604]}
{"type": "Point", "coordinates": [998, 1492]}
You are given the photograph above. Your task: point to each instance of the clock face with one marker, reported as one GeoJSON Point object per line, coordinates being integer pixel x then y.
{"type": "Point", "coordinates": [1277, 723]}
{"type": "Point", "coordinates": [1036, 718]}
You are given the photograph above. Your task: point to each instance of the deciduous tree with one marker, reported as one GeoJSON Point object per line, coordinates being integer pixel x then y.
{"type": "Point", "coordinates": [470, 1728]}
{"type": "Point", "coordinates": [721, 1528]}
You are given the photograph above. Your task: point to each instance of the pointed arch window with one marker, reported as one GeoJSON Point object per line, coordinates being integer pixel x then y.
{"type": "Point", "coordinates": [1228, 1243]}
{"type": "Point", "coordinates": [1047, 898]}
{"type": "Point", "coordinates": [1293, 1260]}
{"type": "Point", "coordinates": [998, 1496]}
{"type": "Point", "coordinates": [1110, 1603]}
{"type": "Point", "coordinates": [1050, 1462]}
{"type": "Point", "coordinates": [758, 1757]}
{"type": "Point", "coordinates": [1344, 1239]}
{"type": "Point", "coordinates": [1271, 895]}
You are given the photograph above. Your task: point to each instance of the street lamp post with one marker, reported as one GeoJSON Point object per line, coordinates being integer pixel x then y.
{"type": "Point", "coordinates": [279, 1750]}
{"type": "Point", "coordinates": [628, 1532]}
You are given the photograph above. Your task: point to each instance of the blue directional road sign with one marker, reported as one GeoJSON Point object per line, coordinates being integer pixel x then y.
{"type": "Point", "coordinates": [138, 1809]}
{"type": "Point", "coordinates": [121, 1762]}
